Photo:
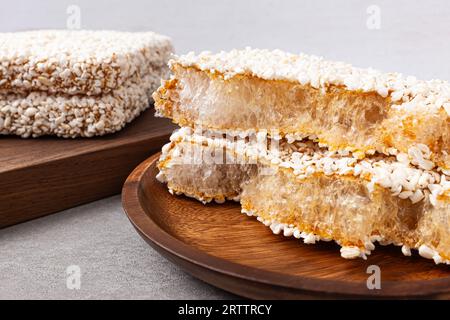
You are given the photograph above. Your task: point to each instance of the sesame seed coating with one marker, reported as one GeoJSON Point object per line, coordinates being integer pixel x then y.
{"type": "Point", "coordinates": [78, 62]}
{"type": "Point", "coordinates": [39, 113]}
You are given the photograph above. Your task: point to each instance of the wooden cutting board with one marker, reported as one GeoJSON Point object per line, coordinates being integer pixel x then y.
{"type": "Point", "coordinates": [46, 175]}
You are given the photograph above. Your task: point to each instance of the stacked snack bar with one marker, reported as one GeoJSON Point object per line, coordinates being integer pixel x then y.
{"type": "Point", "coordinates": [314, 149]}
{"type": "Point", "coordinates": [77, 83]}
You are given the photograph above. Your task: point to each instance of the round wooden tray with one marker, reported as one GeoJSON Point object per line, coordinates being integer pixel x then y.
{"type": "Point", "coordinates": [221, 246]}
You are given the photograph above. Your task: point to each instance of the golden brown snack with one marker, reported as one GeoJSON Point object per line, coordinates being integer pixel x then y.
{"type": "Point", "coordinates": [361, 110]}
{"type": "Point", "coordinates": [324, 205]}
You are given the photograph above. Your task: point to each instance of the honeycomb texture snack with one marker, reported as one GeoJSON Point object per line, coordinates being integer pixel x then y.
{"type": "Point", "coordinates": [314, 149]}
{"type": "Point", "coordinates": [320, 206]}
{"type": "Point", "coordinates": [361, 110]}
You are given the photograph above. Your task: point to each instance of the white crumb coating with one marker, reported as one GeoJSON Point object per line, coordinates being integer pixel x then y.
{"type": "Point", "coordinates": [407, 93]}
{"type": "Point", "coordinates": [39, 113]}
{"type": "Point", "coordinates": [78, 62]}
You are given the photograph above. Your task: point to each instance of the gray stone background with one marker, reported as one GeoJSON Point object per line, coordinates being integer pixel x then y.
{"type": "Point", "coordinates": [413, 38]}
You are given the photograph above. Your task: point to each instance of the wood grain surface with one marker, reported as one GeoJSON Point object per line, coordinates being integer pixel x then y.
{"type": "Point", "coordinates": [225, 248]}
{"type": "Point", "coordinates": [46, 175]}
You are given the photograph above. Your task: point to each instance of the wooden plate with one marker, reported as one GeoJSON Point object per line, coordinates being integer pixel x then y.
{"type": "Point", "coordinates": [221, 246]}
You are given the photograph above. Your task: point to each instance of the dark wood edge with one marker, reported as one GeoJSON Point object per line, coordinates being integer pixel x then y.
{"type": "Point", "coordinates": [178, 251]}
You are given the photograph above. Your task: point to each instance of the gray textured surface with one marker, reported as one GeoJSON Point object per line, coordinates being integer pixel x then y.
{"type": "Point", "coordinates": [115, 262]}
